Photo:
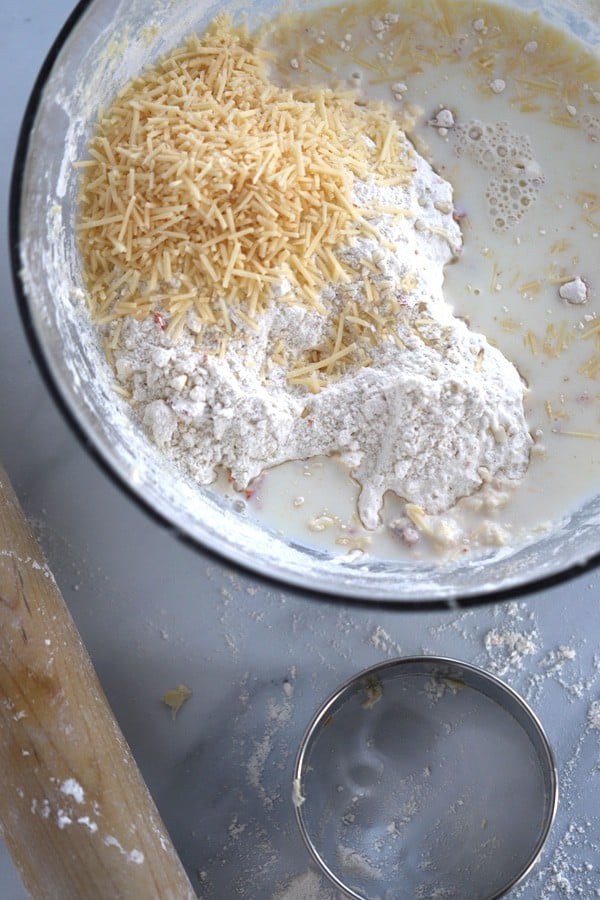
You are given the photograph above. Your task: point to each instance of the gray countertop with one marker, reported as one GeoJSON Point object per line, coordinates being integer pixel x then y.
{"type": "Point", "coordinates": [258, 659]}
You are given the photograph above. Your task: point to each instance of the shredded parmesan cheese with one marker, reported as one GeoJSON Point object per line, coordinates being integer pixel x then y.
{"type": "Point", "coordinates": [206, 182]}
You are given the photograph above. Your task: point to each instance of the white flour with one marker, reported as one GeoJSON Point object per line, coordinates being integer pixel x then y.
{"type": "Point", "coordinates": [434, 416]}
{"type": "Point", "coordinates": [308, 886]}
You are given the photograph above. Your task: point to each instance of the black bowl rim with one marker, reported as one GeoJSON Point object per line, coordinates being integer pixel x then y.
{"type": "Point", "coordinates": [422, 604]}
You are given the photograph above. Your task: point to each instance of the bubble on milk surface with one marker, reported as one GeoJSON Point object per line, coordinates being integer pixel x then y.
{"type": "Point", "coordinates": [509, 157]}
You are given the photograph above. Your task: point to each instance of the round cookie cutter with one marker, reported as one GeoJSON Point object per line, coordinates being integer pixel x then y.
{"type": "Point", "coordinates": [425, 777]}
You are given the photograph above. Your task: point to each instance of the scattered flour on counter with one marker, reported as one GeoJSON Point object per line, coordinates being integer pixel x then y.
{"type": "Point", "coordinates": [563, 874]}
{"type": "Point", "coordinates": [382, 640]}
{"type": "Point", "coordinates": [354, 863]}
{"type": "Point", "coordinates": [508, 648]}
{"type": "Point", "coordinates": [236, 828]}
{"type": "Point", "coordinates": [278, 715]}
{"type": "Point", "coordinates": [308, 886]}
{"type": "Point", "coordinates": [594, 715]}
{"type": "Point", "coordinates": [435, 414]}
{"type": "Point", "coordinates": [255, 766]}
{"type": "Point", "coordinates": [558, 665]}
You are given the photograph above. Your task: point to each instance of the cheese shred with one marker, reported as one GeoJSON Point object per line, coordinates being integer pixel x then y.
{"type": "Point", "coordinates": [205, 182]}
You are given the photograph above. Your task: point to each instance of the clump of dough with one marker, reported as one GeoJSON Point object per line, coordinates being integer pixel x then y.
{"type": "Point", "coordinates": [434, 413]}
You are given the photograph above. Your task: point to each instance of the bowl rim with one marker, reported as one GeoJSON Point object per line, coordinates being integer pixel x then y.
{"type": "Point", "coordinates": [422, 603]}
{"type": "Point", "coordinates": [479, 680]}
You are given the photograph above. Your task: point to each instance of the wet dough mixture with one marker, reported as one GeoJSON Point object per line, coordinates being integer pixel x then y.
{"type": "Point", "coordinates": [266, 266]}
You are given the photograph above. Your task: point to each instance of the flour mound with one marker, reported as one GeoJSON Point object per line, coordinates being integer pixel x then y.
{"type": "Point", "coordinates": [434, 414]}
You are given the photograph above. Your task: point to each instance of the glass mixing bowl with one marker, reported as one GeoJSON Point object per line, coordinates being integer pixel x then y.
{"type": "Point", "coordinates": [102, 45]}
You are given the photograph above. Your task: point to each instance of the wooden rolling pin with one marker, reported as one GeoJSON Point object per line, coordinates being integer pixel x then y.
{"type": "Point", "coordinates": [78, 819]}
